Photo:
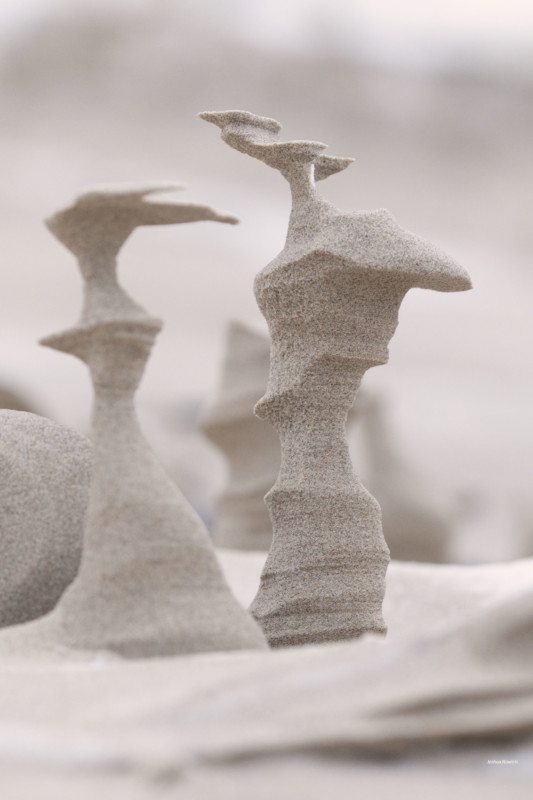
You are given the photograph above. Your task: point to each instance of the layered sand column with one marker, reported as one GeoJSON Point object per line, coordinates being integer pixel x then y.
{"type": "Point", "coordinates": [331, 300]}
{"type": "Point", "coordinates": [328, 554]}
{"type": "Point", "coordinates": [149, 583]}
{"type": "Point", "coordinates": [251, 445]}
{"type": "Point", "coordinates": [324, 578]}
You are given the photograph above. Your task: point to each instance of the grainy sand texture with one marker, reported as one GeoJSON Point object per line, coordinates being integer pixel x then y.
{"type": "Point", "coordinates": [331, 300]}
{"type": "Point", "coordinates": [149, 582]}
{"type": "Point", "coordinates": [136, 670]}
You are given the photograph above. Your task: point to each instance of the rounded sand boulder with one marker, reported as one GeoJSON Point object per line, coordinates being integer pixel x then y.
{"type": "Point", "coordinates": [45, 471]}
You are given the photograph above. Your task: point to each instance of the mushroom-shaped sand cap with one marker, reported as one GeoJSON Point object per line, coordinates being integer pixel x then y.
{"type": "Point", "coordinates": [258, 137]}
{"type": "Point", "coordinates": [369, 241]}
{"type": "Point", "coordinates": [102, 218]}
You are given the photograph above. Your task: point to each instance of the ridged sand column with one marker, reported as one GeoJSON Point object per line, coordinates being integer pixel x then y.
{"type": "Point", "coordinates": [324, 579]}
{"type": "Point", "coordinates": [250, 445]}
{"type": "Point", "coordinates": [331, 300]}
{"type": "Point", "coordinates": [149, 583]}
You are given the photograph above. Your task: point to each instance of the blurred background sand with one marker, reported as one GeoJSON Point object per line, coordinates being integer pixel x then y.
{"type": "Point", "coordinates": [436, 105]}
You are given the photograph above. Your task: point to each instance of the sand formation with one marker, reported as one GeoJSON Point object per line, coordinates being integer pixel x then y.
{"type": "Point", "coordinates": [149, 583]}
{"type": "Point", "coordinates": [415, 525]}
{"type": "Point", "coordinates": [331, 300]}
{"type": "Point", "coordinates": [45, 471]}
{"type": "Point", "coordinates": [416, 521]}
{"type": "Point", "coordinates": [250, 445]}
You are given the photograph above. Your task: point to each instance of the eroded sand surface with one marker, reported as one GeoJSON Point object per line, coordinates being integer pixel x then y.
{"type": "Point", "coordinates": [452, 160]}
{"type": "Point", "coordinates": [448, 690]}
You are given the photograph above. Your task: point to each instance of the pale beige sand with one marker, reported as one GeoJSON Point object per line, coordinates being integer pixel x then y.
{"type": "Point", "coordinates": [478, 341]}
{"type": "Point", "coordinates": [419, 597]}
{"type": "Point", "coordinates": [292, 778]}
{"type": "Point", "coordinates": [417, 518]}
{"type": "Point", "coordinates": [45, 471]}
{"type": "Point", "coordinates": [331, 299]}
{"type": "Point", "coordinates": [159, 726]}
{"type": "Point", "coordinates": [149, 583]}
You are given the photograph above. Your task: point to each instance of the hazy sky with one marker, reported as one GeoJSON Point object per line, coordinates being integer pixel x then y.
{"type": "Point", "coordinates": [391, 28]}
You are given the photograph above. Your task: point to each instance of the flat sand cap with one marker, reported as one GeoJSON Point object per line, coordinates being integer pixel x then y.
{"type": "Point", "coordinates": [370, 242]}
{"type": "Point", "coordinates": [108, 215]}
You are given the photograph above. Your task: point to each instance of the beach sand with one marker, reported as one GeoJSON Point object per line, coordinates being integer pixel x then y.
{"type": "Point", "coordinates": [423, 709]}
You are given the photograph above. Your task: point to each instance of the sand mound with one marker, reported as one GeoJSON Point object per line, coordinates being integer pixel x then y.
{"type": "Point", "coordinates": [44, 485]}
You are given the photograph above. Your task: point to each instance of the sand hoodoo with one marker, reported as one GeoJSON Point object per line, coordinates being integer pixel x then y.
{"type": "Point", "coordinates": [149, 583]}
{"type": "Point", "coordinates": [250, 446]}
{"type": "Point", "coordinates": [331, 300]}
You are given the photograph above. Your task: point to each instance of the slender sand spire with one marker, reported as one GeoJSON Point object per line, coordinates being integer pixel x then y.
{"type": "Point", "coordinates": [149, 583]}
{"type": "Point", "coordinates": [331, 300]}
{"type": "Point", "coordinates": [251, 446]}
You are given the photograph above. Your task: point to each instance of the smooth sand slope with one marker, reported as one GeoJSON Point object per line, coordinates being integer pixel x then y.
{"type": "Point", "coordinates": [456, 667]}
